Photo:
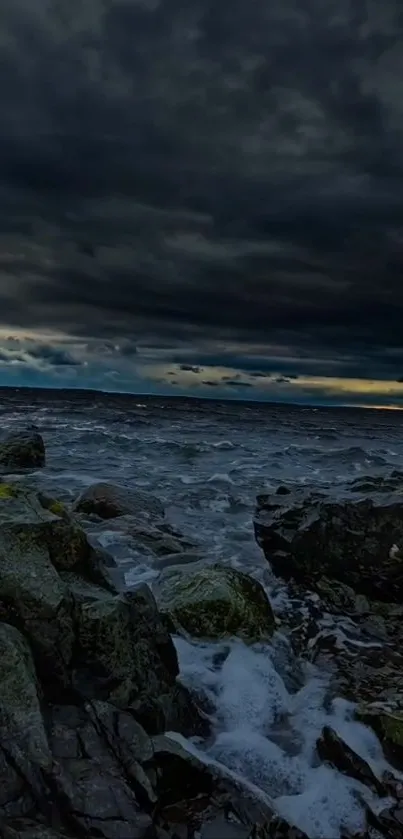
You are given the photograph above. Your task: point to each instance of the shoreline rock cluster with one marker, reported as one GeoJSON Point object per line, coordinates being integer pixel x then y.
{"type": "Point", "coordinates": [341, 551]}
{"type": "Point", "coordinates": [89, 676]}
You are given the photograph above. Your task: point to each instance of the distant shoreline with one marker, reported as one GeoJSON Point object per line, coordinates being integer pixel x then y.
{"type": "Point", "coordinates": [85, 393]}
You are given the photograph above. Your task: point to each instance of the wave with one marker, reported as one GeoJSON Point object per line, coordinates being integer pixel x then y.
{"type": "Point", "coordinates": [267, 735]}
{"type": "Point", "coordinates": [353, 455]}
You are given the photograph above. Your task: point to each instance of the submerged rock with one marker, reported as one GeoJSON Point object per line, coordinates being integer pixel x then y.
{"type": "Point", "coordinates": [109, 501]}
{"type": "Point", "coordinates": [156, 538]}
{"type": "Point", "coordinates": [22, 450]}
{"type": "Point", "coordinates": [354, 540]}
{"type": "Point", "coordinates": [215, 601]}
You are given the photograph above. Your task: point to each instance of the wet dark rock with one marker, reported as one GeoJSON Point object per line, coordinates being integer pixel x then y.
{"type": "Point", "coordinates": [124, 654]}
{"type": "Point", "coordinates": [360, 674]}
{"type": "Point", "coordinates": [332, 749]}
{"type": "Point", "coordinates": [22, 450]}
{"type": "Point", "coordinates": [308, 535]}
{"type": "Point", "coordinates": [202, 797]}
{"type": "Point", "coordinates": [108, 501]}
{"type": "Point", "coordinates": [388, 824]}
{"type": "Point", "coordinates": [36, 547]}
{"type": "Point", "coordinates": [24, 749]}
{"type": "Point", "coordinates": [109, 779]}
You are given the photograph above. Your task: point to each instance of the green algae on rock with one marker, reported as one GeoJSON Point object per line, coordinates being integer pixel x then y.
{"type": "Point", "coordinates": [215, 602]}
{"type": "Point", "coordinates": [7, 491]}
{"type": "Point", "coordinates": [48, 502]}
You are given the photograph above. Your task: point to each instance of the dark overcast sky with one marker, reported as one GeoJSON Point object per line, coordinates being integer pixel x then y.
{"type": "Point", "coordinates": [203, 196]}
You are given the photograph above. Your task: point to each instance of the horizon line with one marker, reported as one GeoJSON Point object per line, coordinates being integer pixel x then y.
{"type": "Point", "coordinates": [201, 398]}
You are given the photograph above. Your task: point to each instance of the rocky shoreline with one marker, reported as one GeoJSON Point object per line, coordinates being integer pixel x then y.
{"type": "Point", "coordinates": [90, 689]}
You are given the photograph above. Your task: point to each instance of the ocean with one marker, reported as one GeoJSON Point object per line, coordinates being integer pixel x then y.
{"type": "Point", "coordinates": [206, 461]}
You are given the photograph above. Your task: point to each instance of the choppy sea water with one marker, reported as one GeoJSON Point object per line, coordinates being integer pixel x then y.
{"type": "Point", "coordinates": [207, 461]}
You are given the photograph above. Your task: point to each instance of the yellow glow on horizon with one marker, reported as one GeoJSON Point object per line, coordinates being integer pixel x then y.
{"type": "Point", "coordinates": [342, 386]}
{"type": "Point", "coordinates": [331, 385]}
{"type": "Point", "coordinates": [345, 390]}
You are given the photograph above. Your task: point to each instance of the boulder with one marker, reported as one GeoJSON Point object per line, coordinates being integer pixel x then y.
{"type": "Point", "coordinates": [35, 600]}
{"type": "Point", "coordinates": [124, 654]}
{"type": "Point", "coordinates": [33, 516]}
{"type": "Point", "coordinates": [22, 450]}
{"type": "Point", "coordinates": [108, 501]}
{"type": "Point", "coordinates": [36, 547]}
{"type": "Point", "coordinates": [354, 540]}
{"type": "Point", "coordinates": [215, 601]}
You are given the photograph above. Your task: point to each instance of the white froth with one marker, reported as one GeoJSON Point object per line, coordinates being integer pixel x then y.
{"type": "Point", "coordinates": [267, 735]}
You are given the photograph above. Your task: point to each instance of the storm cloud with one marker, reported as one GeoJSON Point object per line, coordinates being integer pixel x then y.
{"type": "Point", "coordinates": [223, 176]}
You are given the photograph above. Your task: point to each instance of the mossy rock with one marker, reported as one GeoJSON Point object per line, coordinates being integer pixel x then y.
{"type": "Point", "coordinates": [215, 602]}
{"type": "Point", "coordinates": [48, 502]}
{"type": "Point", "coordinates": [124, 655]}
{"type": "Point", "coordinates": [7, 491]}
{"type": "Point", "coordinates": [107, 642]}
{"type": "Point", "coordinates": [386, 719]}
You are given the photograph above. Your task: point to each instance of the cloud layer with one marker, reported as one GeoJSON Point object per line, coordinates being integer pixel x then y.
{"type": "Point", "coordinates": [203, 184]}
